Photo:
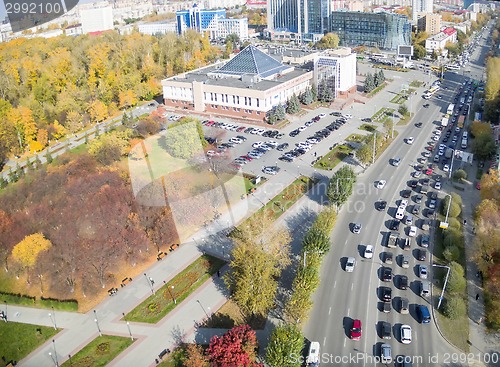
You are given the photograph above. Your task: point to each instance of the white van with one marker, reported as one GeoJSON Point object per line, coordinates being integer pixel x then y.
{"type": "Point", "coordinates": [425, 288]}
{"type": "Point", "coordinates": [464, 144]}
{"type": "Point", "coordinates": [400, 213]}
{"type": "Point", "coordinates": [313, 355]}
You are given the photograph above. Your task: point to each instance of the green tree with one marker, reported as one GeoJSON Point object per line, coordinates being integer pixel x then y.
{"type": "Point", "coordinates": [483, 146]}
{"type": "Point", "coordinates": [455, 307]}
{"type": "Point", "coordinates": [376, 79]}
{"type": "Point", "coordinates": [258, 257]}
{"type": "Point", "coordinates": [285, 346]}
{"type": "Point", "coordinates": [184, 138]}
{"type": "Point", "coordinates": [110, 147]}
{"type": "Point", "coordinates": [403, 109]}
{"type": "Point", "coordinates": [293, 105]}
{"type": "Point", "coordinates": [280, 112]}
{"type": "Point", "coordinates": [234, 39]}
{"type": "Point", "coordinates": [307, 97]}
{"type": "Point", "coordinates": [341, 185]}
{"type": "Point", "coordinates": [451, 253]}
{"type": "Point", "coordinates": [369, 83]}
{"type": "Point", "coordinates": [316, 240]}
{"type": "Point", "coordinates": [325, 93]}
{"type": "Point", "coordinates": [456, 280]}
{"type": "Point", "coordinates": [365, 153]}
{"type": "Point", "coordinates": [314, 92]}
{"type": "Point", "coordinates": [459, 175]}
{"type": "Point", "coordinates": [329, 40]}
{"type": "Point", "coordinates": [455, 207]}
{"type": "Point", "coordinates": [419, 52]}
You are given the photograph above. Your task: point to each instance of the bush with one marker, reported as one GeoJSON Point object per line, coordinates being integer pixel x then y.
{"type": "Point", "coordinates": [455, 208]}
{"type": "Point", "coordinates": [460, 175]}
{"type": "Point", "coordinates": [455, 307]}
{"type": "Point", "coordinates": [454, 224]}
{"type": "Point", "coordinates": [451, 253]}
{"type": "Point", "coordinates": [453, 237]}
{"type": "Point", "coordinates": [456, 280]}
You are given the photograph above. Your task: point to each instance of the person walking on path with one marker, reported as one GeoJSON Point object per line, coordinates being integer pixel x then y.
{"type": "Point", "coordinates": [477, 296]}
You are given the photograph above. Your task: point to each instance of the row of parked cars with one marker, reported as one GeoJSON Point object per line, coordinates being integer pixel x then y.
{"type": "Point", "coordinates": [247, 130]}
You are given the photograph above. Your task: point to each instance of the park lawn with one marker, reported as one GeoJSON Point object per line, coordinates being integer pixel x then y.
{"type": "Point", "coordinates": [155, 307]}
{"type": "Point", "coordinates": [230, 315]}
{"type": "Point", "coordinates": [99, 352]}
{"type": "Point", "coordinates": [404, 120]}
{"type": "Point", "coordinates": [19, 340]}
{"type": "Point", "coordinates": [286, 198]}
{"type": "Point", "coordinates": [355, 138]}
{"type": "Point", "coordinates": [368, 127]}
{"type": "Point", "coordinates": [334, 157]}
{"type": "Point", "coordinates": [378, 89]}
{"type": "Point", "coordinates": [416, 83]}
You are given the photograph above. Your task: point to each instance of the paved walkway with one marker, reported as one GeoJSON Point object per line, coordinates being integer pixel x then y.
{"type": "Point", "coordinates": [483, 344]}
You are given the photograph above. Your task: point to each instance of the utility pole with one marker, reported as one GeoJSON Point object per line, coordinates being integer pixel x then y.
{"type": "Point", "coordinates": [374, 143]}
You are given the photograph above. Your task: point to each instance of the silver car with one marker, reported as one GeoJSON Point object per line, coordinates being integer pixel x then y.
{"type": "Point", "coordinates": [350, 264]}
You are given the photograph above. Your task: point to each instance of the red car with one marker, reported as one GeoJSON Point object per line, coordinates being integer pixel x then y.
{"type": "Point", "coordinates": [478, 186]}
{"type": "Point", "coordinates": [428, 171]}
{"type": "Point", "coordinates": [356, 330]}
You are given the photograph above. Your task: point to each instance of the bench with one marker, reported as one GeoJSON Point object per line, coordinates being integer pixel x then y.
{"type": "Point", "coordinates": [112, 291]}
{"type": "Point", "coordinates": [173, 247]}
{"type": "Point", "coordinates": [161, 255]}
{"type": "Point", "coordinates": [125, 282]}
{"type": "Point", "coordinates": [163, 353]}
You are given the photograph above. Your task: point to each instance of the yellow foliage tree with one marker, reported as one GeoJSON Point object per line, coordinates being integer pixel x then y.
{"type": "Point", "coordinates": [26, 252]}
{"type": "Point", "coordinates": [127, 98]}
{"type": "Point", "coordinates": [98, 111]}
{"type": "Point", "coordinates": [59, 130]}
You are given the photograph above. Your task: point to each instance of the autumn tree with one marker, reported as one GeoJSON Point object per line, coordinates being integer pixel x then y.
{"type": "Point", "coordinates": [184, 139]}
{"type": "Point", "coordinates": [341, 185]}
{"type": "Point", "coordinates": [110, 147]}
{"type": "Point", "coordinates": [258, 257]}
{"type": "Point", "coordinates": [195, 357]}
{"type": "Point", "coordinates": [237, 347]}
{"type": "Point", "coordinates": [329, 40]}
{"type": "Point", "coordinates": [285, 346]}
{"type": "Point", "coordinates": [29, 249]}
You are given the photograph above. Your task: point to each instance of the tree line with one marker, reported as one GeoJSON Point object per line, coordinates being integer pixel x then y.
{"type": "Point", "coordinates": [51, 87]}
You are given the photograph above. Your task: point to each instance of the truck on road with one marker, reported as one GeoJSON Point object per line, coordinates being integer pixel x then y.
{"type": "Point", "coordinates": [393, 240]}
{"type": "Point", "coordinates": [450, 109]}
{"type": "Point", "coordinates": [444, 121]}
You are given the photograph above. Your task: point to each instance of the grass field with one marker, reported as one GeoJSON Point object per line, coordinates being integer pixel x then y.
{"type": "Point", "coordinates": [334, 157]}
{"type": "Point", "coordinates": [355, 138]}
{"type": "Point", "coordinates": [99, 352]}
{"type": "Point", "coordinates": [155, 307]}
{"type": "Point", "coordinates": [368, 127]}
{"type": "Point", "coordinates": [18, 340]}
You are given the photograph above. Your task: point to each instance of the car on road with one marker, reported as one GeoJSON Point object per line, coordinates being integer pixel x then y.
{"type": "Point", "coordinates": [350, 264]}
{"type": "Point", "coordinates": [396, 161]}
{"type": "Point", "coordinates": [406, 193]}
{"type": "Point", "coordinates": [412, 232]}
{"type": "Point", "coordinates": [418, 124]}
{"type": "Point", "coordinates": [381, 205]}
{"type": "Point", "coordinates": [410, 140]}
{"type": "Point", "coordinates": [356, 228]}
{"type": "Point", "coordinates": [368, 253]}
{"type": "Point", "coordinates": [313, 357]}
{"type": "Point", "coordinates": [421, 254]}
{"type": "Point", "coordinates": [386, 274]}
{"type": "Point", "coordinates": [385, 353]}
{"type": "Point", "coordinates": [388, 257]}
{"type": "Point", "coordinates": [385, 330]}
{"type": "Point", "coordinates": [405, 334]}
{"type": "Point", "coordinates": [422, 271]}
{"type": "Point", "coordinates": [424, 240]}
{"type": "Point", "coordinates": [403, 282]}
{"type": "Point", "coordinates": [423, 314]}
{"type": "Point", "coordinates": [386, 294]}
{"type": "Point", "coordinates": [394, 225]}
{"type": "Point", "coordinates": [381, 184]}
{"type": "Point", "coordinates": [271, 170]}
{"type": "Point", "coordinates": [426, 105]}
{"type": "Point", "coordinates": [404, 306]}
{"type": "Point", "coordinates": [356, 330]}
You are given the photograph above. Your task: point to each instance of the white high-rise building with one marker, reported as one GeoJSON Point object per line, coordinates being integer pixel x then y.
{"type": "Point", "coordinates": [96, 19]}
{"type": "Point", "coordinates": [420, 6]}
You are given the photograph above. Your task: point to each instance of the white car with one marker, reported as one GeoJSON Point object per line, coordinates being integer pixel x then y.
{"type": "Point", "coordinates": [272, 143]}
{"type": "Point", "coordinates": [413, 231]}
{"type": "Point", "coordinates": [381, 184]}
{"type": "Point", "coordinates": [271, 170]}
{"type": "Point", "coordinates": [368, 254]}
{"type": "Point", "coordinates": [257, 144]}
{"type": "Point", "coordinates": [437, 132]}
{"type": "Point", "coordinates": [437, 185]}
{"type": "Point", "coordinates": [302, 128]}
{"type": "Point", "coordinates": [321, 115]}
{"type": "Point", "coordinates": [347, 116]}
{"type": "Point", "coordinates": [405, 334]}
{"type": "Point", "coordinates": [350, 264]}
{"type": "Point", "coordinates": [410, 140]}
{"type": "Point", "coordinates": [446, 168]}
{"type": "Point", "coordinates": [403, 204]}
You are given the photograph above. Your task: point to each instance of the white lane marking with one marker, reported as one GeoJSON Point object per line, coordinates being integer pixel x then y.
{"type": "Point", "coordinates": [324, 341]}
{"type": "Point", "coordinates": [344, 341]}
{"type": "Point", "coordinates": [330, 311]}
{"type": "Point", "coordinates": [352, 286]}
{"type": "Point", "coordinates": [348, 311]}
{"type": "Point", "coordinates": [334, 284]}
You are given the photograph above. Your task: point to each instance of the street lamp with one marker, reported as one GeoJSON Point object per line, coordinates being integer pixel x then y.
{"type": "Point", "coordinates": [445, 282]}
{"type": "Point", "coordinates": [151, 282]}
{"type": "Point", "coordinates": [203, 308]}
{"type": "Point", "coordinates": [451, 164]}
{"type": "Point", "coordinates": [54, 359]}
{"type": "Point", "coordinates": [53, 318]}
{"type": "Point", "coordinates": [444, 224]}
{"type": "Point", "coordinates": [128, 326]}
{"type": "Point", "coordinates": [173, 295]}
{"type": "Point", "coordinates": [97, 323]}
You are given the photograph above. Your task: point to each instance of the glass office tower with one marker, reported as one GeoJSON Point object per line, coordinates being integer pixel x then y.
{"type": "Point", "coordinates": [382, 30]}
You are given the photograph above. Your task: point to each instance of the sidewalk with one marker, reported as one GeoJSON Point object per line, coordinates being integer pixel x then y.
{"type": "Point", "coordinates": [480, 340]}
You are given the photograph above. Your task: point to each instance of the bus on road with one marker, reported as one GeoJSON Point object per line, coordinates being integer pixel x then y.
{"type": "Point", "coordinates": [461, 121]}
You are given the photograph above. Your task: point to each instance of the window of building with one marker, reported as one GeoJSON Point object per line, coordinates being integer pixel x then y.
{"type": "Point", "coordinates": [258, 102]}
{"type": "Point", "coordinates": [211, 97]}
{"type": "Point", "coordinates": [234, 99]}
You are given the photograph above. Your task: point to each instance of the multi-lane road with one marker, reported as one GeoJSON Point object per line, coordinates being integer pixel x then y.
{"type": "Point", "coordinates": [345, 296]}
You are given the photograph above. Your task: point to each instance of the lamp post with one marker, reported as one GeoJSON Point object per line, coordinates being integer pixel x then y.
{"type": "Point", "coordinates": [451, 164]}
{"type": "Point", "coordinates": [203, 308]}
{"type": "Point", "coordinates": [173, 295]}
{"type": "Point", "coordinates": [445, 282]}
{"type": "Point", "coordinates": [151, 282]}
{"type": "Point", "coordinates": [54, 358]}
{"type": "Point", "coordinates": [5, 311]}
{"type": "Point", "coordinates": [97, 323]}
{"type": "Point", "coordinates": [70, 362]}
{"type": "Point", "coordinates": [444, 224]}
{"type": "Point", "coordinates": [128, 326]}
{"type": "Point", "coordinates": [53, 318]}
